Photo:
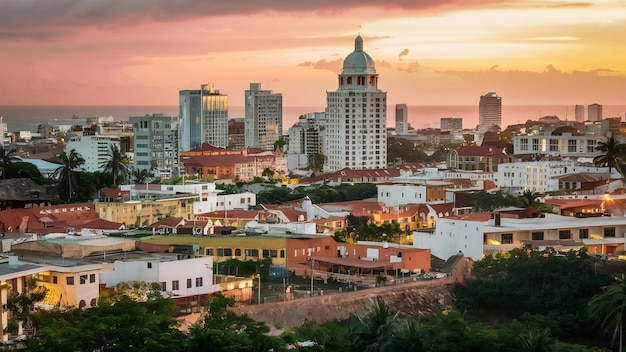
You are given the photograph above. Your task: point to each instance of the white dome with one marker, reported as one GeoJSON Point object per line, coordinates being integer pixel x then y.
{"type": "Point", "coordinates": [358, 62]}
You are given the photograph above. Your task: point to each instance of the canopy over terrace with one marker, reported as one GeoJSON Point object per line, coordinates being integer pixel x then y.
{"type": "Point", "coordinates": [346, 269]}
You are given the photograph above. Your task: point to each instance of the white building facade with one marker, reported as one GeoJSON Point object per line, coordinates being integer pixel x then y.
{"type": "Point", "coordinates": [179, 278]}
{"type": "Point", "coordinates": [356, 113]}
{"type": "Point", "coordinates": [475, 238]}
{"type": "Point", "coordinates": [565, 145]}
{"type": "Point", "coordinates": [542, 176]}
{"type": "Point", "coordinates": [93, 148]}
{"type": "Point", "coordinates": [208, 197]}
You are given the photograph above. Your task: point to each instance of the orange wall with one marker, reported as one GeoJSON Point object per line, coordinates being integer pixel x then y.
{"type": "Point", "coordinates": [298, 251]}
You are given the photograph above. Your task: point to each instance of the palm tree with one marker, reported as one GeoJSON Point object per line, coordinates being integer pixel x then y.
{"type": "Point", "coordinates": [612, 153]}
{"type": "Point", "coordinates": [609, 306]}
{"type": "Point", "coordinates": [535, 341]}
{"type": "Point", "coordinates": [140, 176]}
{"type": "Point", "coordinates": [115, 164]}
{"type": "Point", "coordinates": [374, 330]}
{"type": "Point", "coordinates": [65, 172]}
{"type": "Point", "coordinates": [7, 156]}
{"type": "Point", "coordinates": [528, 199]}
{"type": "Point", "coordinates": [410, 337]}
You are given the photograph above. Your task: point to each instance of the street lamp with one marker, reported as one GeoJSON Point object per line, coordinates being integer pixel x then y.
{"type": "Point", "coordinates": [312, 260]}
{"type": "Point", "coordinates": [258, 276]}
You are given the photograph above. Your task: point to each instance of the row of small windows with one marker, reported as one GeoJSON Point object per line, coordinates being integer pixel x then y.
{"type": "Point", "coordinates": [507, 238]}
{"type": "Point", "coordinates": [176, 284]}
{"type": "Point", "coordinates": [247, 252]}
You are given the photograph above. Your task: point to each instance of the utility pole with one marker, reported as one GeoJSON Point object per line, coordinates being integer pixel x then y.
{"type": "Point", "coordinates": [312, 260]}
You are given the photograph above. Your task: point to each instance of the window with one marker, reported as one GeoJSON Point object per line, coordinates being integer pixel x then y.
{"type": "Point", "coordinates": [55, 280]}
{"type": "Point", "coordinates": [208, 251]}
{"type": "Point", "coordinates": [198, 282]}
{"type": "Point", "coordinates": [583, 233]}
{"type": "Point", "coordinates": [69, 280]}
{"type": "Point", "coordinates": [537, 236]}
{"type": "Point", "coordinates": [564, 234]}
{"type": "Point", "coordinates": [238, 252]}
{"type": "Point", "coordinates": [163, 286]}
{"type": "Point", "coordinates": [251, 253]}
{"type": "Point", "coordinates": [609, 232]}
{"type": "Point", "coordinates": [271, 253]}
{"type": "Point", "coordinates": [149, 265]}
{"type": "Point", "coordinates": [83, 279]}
{"type": "Point", "coordinates": [188, 283]}
{"type": "Point", "coordinates": [175, 285]}
{"type": "Point", "coordinates": [507, 238]}
{"type": "Point", "coordinates": [92, 278]}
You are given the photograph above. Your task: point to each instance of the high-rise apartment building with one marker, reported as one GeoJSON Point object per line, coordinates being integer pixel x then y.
{"type": "Point", "coordinates": [190, 115]}
{"type": "Point", "coordinates": [594, 112]}
{"type": "Point", "coordinates": [451, 124]}
{"type": "Point", "coordinates": [356, 115]}
{"type": "Point", "coordinates": [579, 113]}
{"type": "Point", "coordinates": [489, 112]}
{"type": "Point", "coordinates": [156, 144]}
{"type": "Point", "coordinates": [305, 139]}
{"type": "Point", "coordinates": [203, 117]}
{"type": "Point", "coordinates": [264, 117]}
{"type": "Point", "coordinates": [214, 116]}
{"type": "Point", "coordinates": [402, 123]}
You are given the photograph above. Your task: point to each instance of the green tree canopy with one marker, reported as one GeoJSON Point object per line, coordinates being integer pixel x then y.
{"type": "Point", "coordinates": [66, 174]}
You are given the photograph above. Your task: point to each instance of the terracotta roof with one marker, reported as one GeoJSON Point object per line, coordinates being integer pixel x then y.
{"type": "Point", "coordinates": [115, 193]}
{"type": "Point", "coordinates": [473, 217]}
{"type": "Point", "coordinates": [216, 160]}
{"type": "Point", "coordinates": [580, 177]}
{"type": "Point", "coordinates": [350, 174]}
{"type": "Point", "coordinates": [101, 224]}
{"type": "Point", "coordinates": [231, 214]}
{"type": "Point", "coordinates": [573, 203]}
{"type": "Point", "coordinates": [365, 264]}
{"type": "Point", "coordinates": [443, 208]}
{"type": "Point", "coordinates": [170, 221]}
{"type": "Point", "coordinates": [470, 150]}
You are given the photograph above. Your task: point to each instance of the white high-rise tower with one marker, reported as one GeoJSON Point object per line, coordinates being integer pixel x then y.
{"type": "Point", "coordinates": [356, 129]}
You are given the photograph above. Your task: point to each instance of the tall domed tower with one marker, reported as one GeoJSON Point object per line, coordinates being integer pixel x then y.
{"type": "Point", "coordinates": [356, 113]}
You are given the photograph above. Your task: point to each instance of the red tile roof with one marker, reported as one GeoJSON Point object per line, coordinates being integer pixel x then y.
{"type": "Point", "coordinates": [216, 160]}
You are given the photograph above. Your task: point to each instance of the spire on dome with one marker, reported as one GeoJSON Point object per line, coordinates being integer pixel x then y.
{"type": "Point", "coordinates": [358, 44]}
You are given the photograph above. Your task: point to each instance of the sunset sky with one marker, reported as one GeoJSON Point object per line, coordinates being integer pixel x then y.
{"type": "Point", "coordinates": [427, 52]}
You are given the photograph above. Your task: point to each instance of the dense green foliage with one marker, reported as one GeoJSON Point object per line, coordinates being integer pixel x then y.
{"type": "Point", "coordinates": [360, 228]}
{"type": "Point", "coordinates": [612, 155]}
{"type": "Point", "coordinates": [485, 201]}
{"type": "Point", "coordinates": [524, 300]}
{"type": "Point", "coordinates": [323, 194]}
{"type": "Point", "coordinates": [224, 330]}
{"type": "Point", "coordinates": [544, 289]}
{"type": "Point", "coordinates": [403, 150]}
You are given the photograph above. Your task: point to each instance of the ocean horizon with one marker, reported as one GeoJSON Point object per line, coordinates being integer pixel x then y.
{"type": "Point", "coordinates": [28, 117]}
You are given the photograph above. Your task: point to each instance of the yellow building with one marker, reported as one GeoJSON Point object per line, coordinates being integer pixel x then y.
{"type": "Point", "coordinates": [224, 248]}
{"type": "Point", "coordinates": [141, 213]}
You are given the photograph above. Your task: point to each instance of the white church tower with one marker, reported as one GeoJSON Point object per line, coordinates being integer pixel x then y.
{"type": "Point", "coordinates": [356, 129]}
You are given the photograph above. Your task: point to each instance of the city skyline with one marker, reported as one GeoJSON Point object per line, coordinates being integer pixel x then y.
{"type": "Point", "coordinates": [446, 52]}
